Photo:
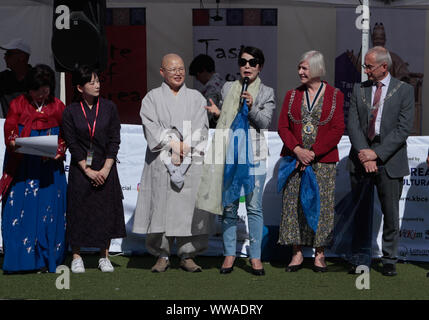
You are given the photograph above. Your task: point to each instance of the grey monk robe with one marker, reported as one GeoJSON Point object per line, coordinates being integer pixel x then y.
{"type": "Point", "coordinates": [161, 206]}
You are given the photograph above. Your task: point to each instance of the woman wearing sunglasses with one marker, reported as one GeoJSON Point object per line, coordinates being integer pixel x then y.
{"type": "Point", "coordinates": [261, 103]}
{"type": "Point", "coordinates": [311, 124]}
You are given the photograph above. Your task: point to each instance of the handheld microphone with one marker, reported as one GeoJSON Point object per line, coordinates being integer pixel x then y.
{"type": "Point", "coordinates": [244, 88]}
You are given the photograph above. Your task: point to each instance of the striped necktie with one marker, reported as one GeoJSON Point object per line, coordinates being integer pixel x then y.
{"type": "Point", "coordinates": [374, 111]}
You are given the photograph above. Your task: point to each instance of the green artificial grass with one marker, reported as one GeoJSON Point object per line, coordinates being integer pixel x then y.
{"type": "Point", "coordinates": [132, 280]}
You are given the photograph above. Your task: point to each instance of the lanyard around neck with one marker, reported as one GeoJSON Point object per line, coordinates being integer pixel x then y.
{"type": "Point", "coordinates": [39, 108]}
{"type": "Point", "coordinates": [310, 106]}
{"type": "Point", "coordinates": [91, 134]}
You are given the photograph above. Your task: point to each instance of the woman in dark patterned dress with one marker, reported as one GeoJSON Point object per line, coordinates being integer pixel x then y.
{"type": "Point", "coordinates": [311, 124]}
{"type": "Point", "coordinates": [95, 213]}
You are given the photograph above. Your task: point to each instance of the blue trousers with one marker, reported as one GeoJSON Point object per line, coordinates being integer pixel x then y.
{"type": "Point", "coordinates": [254, 217]}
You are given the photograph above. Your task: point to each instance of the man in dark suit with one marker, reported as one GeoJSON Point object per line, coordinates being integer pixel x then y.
{"type": "Point", "coordinates": [380, 119]}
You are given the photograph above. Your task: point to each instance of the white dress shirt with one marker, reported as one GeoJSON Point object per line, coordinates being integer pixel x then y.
{"type": "Point", "coordinates": [386, 82]}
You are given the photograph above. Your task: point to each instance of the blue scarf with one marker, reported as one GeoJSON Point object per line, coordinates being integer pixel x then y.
{"type": "Point", "coordinates": [239, 160]}
{"type": "Point", "coordinates": [308, 191]}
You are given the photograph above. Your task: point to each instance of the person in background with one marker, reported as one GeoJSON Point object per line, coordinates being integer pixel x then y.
{"type": "Point", "coordinates": [12, 81]}
{"type": "Point", "coordinates": [203, 69]}
{"type": "Point", "coordinates": [33, 187]}
{"type": "Point", "coordinates": [311, 124]}
{"type": "Point", "coordinates": [95, 214]}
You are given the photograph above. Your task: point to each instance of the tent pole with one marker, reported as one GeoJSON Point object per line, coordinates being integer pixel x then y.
{"type": "Point", "coordinates": [63, 87]}
{"type": "Point", "coordinates": [365, 36]}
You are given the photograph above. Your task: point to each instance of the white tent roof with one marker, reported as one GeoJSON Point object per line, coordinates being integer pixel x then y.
{"type": "Point", "coordinates": [230, 3]}
{"type": "Point", "coordinates": [380, 3]}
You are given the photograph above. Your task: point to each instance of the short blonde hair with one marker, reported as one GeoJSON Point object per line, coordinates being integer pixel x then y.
{"type": "Point", "coordinates": [316, 62]}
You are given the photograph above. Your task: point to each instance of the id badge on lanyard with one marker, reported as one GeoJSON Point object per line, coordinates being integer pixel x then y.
{"type": "Point", "coordinates": [89, 155]}
{"type": "Point", "coordinates": [90, 152]}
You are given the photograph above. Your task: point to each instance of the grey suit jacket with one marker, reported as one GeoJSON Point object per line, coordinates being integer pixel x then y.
{"type": "Point", "coordinates": [396, 125]}
{"type": "Point", "coordinates": [259, 117]}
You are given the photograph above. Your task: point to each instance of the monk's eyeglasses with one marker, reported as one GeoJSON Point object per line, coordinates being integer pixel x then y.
{"type": "Point", "coordinates": [180, 70]}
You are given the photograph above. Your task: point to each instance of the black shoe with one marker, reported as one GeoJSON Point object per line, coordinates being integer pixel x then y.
{"type": "Point", "coordinates": [319, 269]}
{"type": "Point", "coordinates": [389, 270]}
{"type": "Point", "coordinates": [352, 270]}
{"type": "Point", "coordinates": [258, 272]}
{"type": "Point", "coordinates": [226, 270]}
{"type": "Point", "coordinates": [294, 268]}
{"type": "Point", "coordinates": [43, 270]}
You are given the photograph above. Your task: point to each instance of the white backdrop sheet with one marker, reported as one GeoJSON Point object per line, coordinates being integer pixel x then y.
{"type": "Point", "coordinates": [414, 213]}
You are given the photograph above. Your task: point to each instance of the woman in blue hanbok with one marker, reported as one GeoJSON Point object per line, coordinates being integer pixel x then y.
{"type": "Point", "coordinates": [33, 188]}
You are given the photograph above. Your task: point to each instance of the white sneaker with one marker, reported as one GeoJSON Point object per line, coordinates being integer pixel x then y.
{"type": "Point", "coordinates": [105, 265]}
{"type": "Point", "coordinates": [77, 266]}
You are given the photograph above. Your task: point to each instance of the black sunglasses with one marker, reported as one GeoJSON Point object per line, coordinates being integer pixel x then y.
{"type": "Point", "coordinates": [252, 62]}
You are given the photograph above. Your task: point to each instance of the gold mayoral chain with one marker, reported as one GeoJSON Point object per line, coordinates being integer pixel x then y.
{"type": "Point", "coordinates": [308, 127]}
{"type": "Point", "coordinates": [308, 124]}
